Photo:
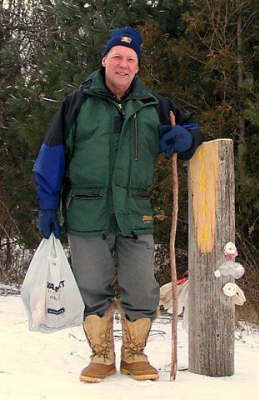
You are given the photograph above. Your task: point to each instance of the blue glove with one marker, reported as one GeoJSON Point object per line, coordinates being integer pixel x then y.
{"type": "Point", "coordinates": [48, 223]}
{"type": "Point", "coordinates": [175, 139]}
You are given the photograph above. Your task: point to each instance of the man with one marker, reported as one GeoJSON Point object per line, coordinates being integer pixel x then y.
{"type": "Point", "coordinates": [100, 153]}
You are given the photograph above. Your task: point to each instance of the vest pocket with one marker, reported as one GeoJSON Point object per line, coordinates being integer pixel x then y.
{"type": "Point", "coordinates": [86, 211]}
{"type": "Point", "coordinates": [92, 196]}
{"type": "Point", "coordinates": [140, 210]}
{"type": "Point", "coordinates": [141, 195]}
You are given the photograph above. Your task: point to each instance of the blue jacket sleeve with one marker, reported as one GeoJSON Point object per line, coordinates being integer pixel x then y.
{"type": "Point", "coordinates": [49, 171]}
{"type": "Point", "coordinates": [49, 167]}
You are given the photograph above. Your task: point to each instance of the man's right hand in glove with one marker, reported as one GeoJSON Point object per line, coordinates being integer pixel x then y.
{"type": "Point", "coordinates": [48, 223]}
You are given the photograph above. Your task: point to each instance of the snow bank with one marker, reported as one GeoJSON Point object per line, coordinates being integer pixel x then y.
{"type": "Point", "coordinates": [35, 366]}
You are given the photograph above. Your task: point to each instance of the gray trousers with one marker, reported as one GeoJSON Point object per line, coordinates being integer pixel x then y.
{"type": "Point", "coordinates": [94, 269]}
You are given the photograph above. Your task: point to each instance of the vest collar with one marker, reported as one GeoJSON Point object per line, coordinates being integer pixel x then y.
{"type": "Point", "coordinates": [95, 85]}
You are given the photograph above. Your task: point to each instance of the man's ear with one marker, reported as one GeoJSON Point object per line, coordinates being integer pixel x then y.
{"type": "Point", "coordinates": [104, 62]}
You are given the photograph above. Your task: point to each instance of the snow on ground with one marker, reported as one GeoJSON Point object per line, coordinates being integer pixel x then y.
{"type": "Point", "coordinates": [37, 366]}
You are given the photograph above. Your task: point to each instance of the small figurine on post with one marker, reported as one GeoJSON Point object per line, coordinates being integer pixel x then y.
{"type": "Point", "coordinates": [230, 267]}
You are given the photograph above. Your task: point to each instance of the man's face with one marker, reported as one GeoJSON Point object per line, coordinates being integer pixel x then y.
{"type": "Point", "coordinates": [121, 66]}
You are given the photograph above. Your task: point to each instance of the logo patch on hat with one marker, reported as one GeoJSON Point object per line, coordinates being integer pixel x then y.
{"type": "Point", "coordinates": [126, 39]}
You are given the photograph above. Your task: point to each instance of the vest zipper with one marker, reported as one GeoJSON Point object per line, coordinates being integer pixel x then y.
{"type": "Point", "coordinates": [135, 136]}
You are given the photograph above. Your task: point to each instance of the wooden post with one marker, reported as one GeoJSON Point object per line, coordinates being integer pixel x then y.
{"type": "Point", "coordinates": [211, 226]}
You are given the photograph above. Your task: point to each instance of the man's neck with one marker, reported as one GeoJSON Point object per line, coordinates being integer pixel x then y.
{"type": "Point", "coordinates": [119, 93]}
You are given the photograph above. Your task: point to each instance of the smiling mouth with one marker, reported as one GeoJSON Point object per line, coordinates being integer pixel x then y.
{"type": "Point", "coordinates": [122, 74]}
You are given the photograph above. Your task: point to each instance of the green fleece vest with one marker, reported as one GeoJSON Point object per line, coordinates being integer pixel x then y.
{"type": "Point", "coordinates": [109, 172]}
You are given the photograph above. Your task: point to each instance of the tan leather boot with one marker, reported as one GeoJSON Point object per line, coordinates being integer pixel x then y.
{"type": "Point", "coordinates": [99, 333]}
{"type": "Point", "coordinates": [133, 360]}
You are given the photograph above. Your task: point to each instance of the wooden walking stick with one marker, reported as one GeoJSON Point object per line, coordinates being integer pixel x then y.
{"type": "Point", "coordinates": [173, 260]}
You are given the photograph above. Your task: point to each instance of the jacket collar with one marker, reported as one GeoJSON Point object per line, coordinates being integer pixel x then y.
{"type": "Point", "coordinates": [95, 85]}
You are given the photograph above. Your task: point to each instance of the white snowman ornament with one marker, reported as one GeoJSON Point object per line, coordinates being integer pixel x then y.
{"type": "Point", "coordinates": [230, 267]}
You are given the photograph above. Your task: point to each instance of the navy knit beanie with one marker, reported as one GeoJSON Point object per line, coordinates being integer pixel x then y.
{"type": "Point", "coordinates": [125, 36]}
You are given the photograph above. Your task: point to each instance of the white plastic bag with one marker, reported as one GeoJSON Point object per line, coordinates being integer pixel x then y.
{"type": "Point", "coordinates": [49, 291]}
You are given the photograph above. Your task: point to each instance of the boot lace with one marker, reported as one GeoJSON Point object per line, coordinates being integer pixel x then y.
{"type": "Point", "coordinates": [133, 346]}
{"type": "Point", "coordinates": [102, 350]}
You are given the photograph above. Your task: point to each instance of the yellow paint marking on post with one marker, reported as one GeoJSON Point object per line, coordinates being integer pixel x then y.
{"type": "Point", "coordinates": [204, 177]}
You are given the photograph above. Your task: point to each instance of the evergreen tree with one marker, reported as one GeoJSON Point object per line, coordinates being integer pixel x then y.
{"type": "Point", "coordinates": [201, 54]}
{"type": "Point", "coordinates": [218, 54]}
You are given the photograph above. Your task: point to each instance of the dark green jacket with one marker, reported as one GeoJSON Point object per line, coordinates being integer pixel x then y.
{"type": "Point", "coordinates": [112, 149]}
{"type": "Point", "coordinates": [100, 154]}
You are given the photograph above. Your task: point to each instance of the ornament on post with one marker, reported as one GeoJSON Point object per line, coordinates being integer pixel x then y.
{"type": "Point", "coordinates": [234, 291]}
{"type": "Point", "coordinates": [229, 289]}
{"type": "Point", "coordinates": [230, 267]}
{"type": "Point", "coordinates": [230, 250]}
